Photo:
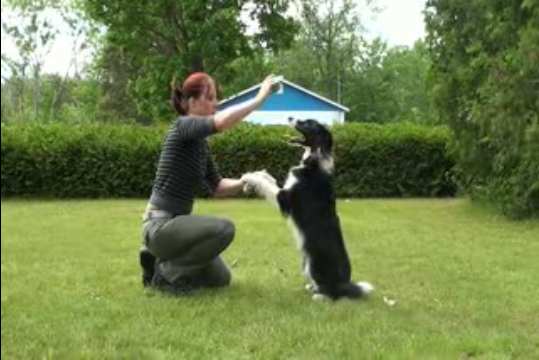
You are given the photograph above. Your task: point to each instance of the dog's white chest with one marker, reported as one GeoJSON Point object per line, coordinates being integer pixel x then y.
{"type": "Point", "coordinates": [291, 180]}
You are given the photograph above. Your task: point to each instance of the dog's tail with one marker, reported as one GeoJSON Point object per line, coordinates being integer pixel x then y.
{"type": "Point", "coordinates": [355, 290]}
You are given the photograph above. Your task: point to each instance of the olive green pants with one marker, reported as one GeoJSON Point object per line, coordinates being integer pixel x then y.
{"type": "Point", "coordinates": [188, 246]}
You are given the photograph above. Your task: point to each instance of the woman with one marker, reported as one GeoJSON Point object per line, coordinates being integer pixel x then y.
{"type": "Point", "coordinates": [181, 250]}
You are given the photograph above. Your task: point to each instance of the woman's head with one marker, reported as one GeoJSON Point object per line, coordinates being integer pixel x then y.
{"type": "Point", "coordinates": [197, 95]}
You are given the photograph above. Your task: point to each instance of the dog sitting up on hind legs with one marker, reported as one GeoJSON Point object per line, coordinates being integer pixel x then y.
{"type": "Point", "coordinates": [308, 200]}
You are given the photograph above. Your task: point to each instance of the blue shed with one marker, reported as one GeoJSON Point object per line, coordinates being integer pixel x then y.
{"type": "Point", "coordinates": [291, 101]}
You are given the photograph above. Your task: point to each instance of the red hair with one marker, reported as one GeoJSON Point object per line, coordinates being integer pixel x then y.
{"type": "Point", "coordinates": [194, 86]}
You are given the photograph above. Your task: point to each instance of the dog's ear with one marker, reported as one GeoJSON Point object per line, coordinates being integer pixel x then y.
{"type": "Point", "coordinates": [327, 141]}
{"type": "Point", "coordinates": [283, 199]}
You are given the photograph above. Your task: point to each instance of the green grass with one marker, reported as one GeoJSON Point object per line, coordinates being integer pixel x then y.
{"type": "Point", "coordinates": [466, 283]}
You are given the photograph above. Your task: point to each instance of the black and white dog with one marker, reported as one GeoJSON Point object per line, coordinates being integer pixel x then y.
{"type": "Point", "coordinates": [308, 200]}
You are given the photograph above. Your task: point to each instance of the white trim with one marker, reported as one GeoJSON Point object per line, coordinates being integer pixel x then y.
{"type": "Point", "coordinates": [281, 117]}
{"type": "Point", "coordinates": [282, 79]}
{"type": "Point", "coordinates": [342, 107]}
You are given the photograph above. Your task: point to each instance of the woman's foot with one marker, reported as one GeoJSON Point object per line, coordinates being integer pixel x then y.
{"type": "Point", "coordinates": [147, 262]}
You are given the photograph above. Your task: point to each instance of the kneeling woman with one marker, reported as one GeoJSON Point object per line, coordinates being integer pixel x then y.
{"type": "Point", "coordinates": [182, 251]}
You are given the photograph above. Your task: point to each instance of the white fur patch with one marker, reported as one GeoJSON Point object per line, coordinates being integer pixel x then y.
{"type": "Point", "coordinates": [306, 154]}
{"type": "Point", "coordinates": [366, 287]}
{"type": "Point", "coordinates": [291, 180]}
{"type": "Point", "coordinates": [326, 160]}
{"type": "Point", "coordinates": [327, 164]}
{"type": "Point", "coordinates": [292, 122]}
{"type": "Point", "coordinates": [307, 271]}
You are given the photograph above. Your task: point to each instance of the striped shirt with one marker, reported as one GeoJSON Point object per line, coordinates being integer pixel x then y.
{"type": "Point", "coordinates": [185, 165]}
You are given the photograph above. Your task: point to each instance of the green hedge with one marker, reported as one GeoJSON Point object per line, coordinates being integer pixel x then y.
{"type": "Point", "coordinates": [119, 161]}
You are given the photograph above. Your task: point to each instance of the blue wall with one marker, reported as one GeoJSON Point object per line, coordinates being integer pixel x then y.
{"type": "Point", "coordinates": [290, 99]}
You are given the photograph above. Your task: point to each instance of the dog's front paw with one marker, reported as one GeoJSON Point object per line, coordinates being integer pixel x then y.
{"type": "Point", "coordinates": [251, 182]}
{"type": "Point", "coordinates": [248, 189]}
{"type": "Point", "coordinates": [266, 176]}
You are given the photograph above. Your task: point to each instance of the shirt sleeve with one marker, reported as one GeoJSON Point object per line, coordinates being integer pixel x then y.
{"type": "Point", "coordinates": [212, 175]}
{"type": "Point", "coordinates": [191, 127]}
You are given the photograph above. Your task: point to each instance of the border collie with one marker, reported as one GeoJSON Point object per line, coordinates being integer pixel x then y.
{"type": "Point", "coordinates": [307, 199]}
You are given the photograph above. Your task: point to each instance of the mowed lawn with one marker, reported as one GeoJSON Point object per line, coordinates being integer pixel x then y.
{"type": "Point", "coordinates": [465, 281]}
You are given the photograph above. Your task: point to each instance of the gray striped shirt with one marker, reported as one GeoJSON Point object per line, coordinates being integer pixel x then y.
{"type": "Point", "coordinates": [185, 165]}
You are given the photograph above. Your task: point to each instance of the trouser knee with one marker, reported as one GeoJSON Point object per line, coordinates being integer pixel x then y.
{"type": "Point", "coordinates": [224, 278]}
{"type": "Point", "coordinates": [226, 232]}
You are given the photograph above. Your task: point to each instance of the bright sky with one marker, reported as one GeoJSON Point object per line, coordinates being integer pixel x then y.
{"type": "Point", "coordinates": [60, 55]}
{"type": "Point", "coordinates": [399, 23]}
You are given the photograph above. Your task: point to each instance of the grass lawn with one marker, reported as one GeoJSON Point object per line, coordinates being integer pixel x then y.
{"type": "Point", "coordinates": [465, 281]}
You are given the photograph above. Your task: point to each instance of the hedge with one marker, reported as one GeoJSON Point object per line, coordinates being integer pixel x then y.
{"type": "Point", "coordinates": [96, 160]}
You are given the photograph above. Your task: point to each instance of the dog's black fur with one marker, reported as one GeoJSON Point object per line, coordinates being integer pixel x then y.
{"type": "Point", "coordinates": [308, 198]}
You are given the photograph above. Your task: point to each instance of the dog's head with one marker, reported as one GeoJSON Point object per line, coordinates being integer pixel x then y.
{"type": "Point", "coordinates": [315, 135]}
{"type": "Point", "coordinates": [317, 140]}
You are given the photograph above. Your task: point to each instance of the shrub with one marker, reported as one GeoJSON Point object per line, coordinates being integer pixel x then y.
{"type": "Point", "coordinates": [78, 160]}
{"type": "Point", "coordinates": [90, 160]}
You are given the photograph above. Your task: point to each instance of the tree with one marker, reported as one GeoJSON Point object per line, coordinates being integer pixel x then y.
{"type": "Point", "coordinates": [31, 26]}
{"type": "Point", "coordinates": [163, 39]}
{"type": "Point", "coordinates": [485, 55]}
{"type": "Point", "coordinates": [299, 65]}
{"type": "Point", "coordinates": [406, 72]}
{"type": "Point", "coordinates": [369, 91]}
{"type": "Point", "coordinates": [332, 32]}
{"type": "Point", "coordinates": [112, 70]}
{"type": "Point", "coordinates": [243, 73]}
{"type": "Point", "coordinates": [33, 36]}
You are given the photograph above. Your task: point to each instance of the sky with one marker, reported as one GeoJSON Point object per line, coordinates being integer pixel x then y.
{"type": "Point", "coordinates": [400, 22]}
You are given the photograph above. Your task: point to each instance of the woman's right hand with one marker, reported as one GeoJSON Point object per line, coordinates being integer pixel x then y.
{"type": "Point", "coordinates": [265, 88]}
